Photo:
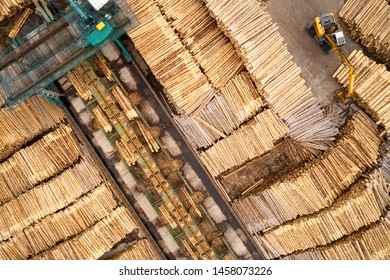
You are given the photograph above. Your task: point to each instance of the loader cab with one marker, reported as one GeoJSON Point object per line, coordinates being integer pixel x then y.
{"type": "Point", "coordinates": [339, 38]}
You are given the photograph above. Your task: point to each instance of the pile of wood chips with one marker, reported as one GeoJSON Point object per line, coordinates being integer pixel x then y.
{"type": "Point", "coordinates": [372, 86]}
{"type": "Point", "coordinates": [368, 22]}
{"type": "Point", "coordinates": [316, 185]}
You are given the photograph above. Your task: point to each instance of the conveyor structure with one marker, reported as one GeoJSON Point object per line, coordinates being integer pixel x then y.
{"type": "Point", "coordinates": [55, 48]}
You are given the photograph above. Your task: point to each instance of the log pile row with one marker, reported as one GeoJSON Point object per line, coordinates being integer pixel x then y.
{"type": "Point", "coordinates": [62, 225]}
{"type": "Point", "coordinates": [47, 198]}
{"type": "Point", "coordinates": [316, 185]}
{"type": "Point", "coordinates": [237, 102]}
{"type": "Point", "coordinates": [142, 250]}
{"type": "Point", "coordinates": [24, 123]}
{"type": "Point", "coordinates": [368, 22]}
{"type": "Point", "coordinates": [79, 84]}
{"type": "Point", "coordinates": [186, 86]}
{"type": "Point", "coordinates": [267, 59]}
{"type": "Point", "coordinates": [43, 159]}
{"type": "Point", "coordinates": [19, 23]}
{"type": "Point", "coordinates": [249, 141]}
{"type": "Point", "coordinates": [11, 7]}
{"type": "Point", "coordinates": [359, 207]}
{"type": "Point", "coordinates": [106, 233]}
{"type": "Point", "coordinates": [372, 86]}
{"type": "Point", "coordinates": [102, 119]}
{"type": "Point", "coordinates": [124, 103]}
{"type": "Point", "coordinates": [369, 244]}
{"type": "Point", "coordinates": [200, 34]}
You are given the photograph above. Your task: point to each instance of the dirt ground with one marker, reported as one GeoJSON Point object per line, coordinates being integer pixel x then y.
{"type": "Point", "coordinates": [317, 66]}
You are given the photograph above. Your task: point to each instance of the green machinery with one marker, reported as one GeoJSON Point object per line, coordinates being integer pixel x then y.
{"type": "Point", "coordinates": [53, 49]}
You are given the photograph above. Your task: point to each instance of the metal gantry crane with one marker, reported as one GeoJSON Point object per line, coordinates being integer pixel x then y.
{"type": "Point", "coordinates": [329, 35]}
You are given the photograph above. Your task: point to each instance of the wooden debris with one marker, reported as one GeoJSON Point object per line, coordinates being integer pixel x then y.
{"type": "Point", "coordinates": [372, 86]}
{"type": "Point", "coordinates": [19, 23]}
{"type": "Point", "coordinates": [316, 185]}
{"type": "Point", "coordinates": [37, 162]}
{"type": "Point", "coordinates": [30, 119]}
{"type": "Point", "coordinates": [80, 86]}
{"type": "Point", "coordinates": [174, 67]}
{"type": "Point", "coordinates": [257, 40]}
{"type": "Point", "coordinates": [368, 22]}
{"type": "Point", "coordinates": [360, 206]}
{"type": "Point", "coordinates": [142, 250]}
{"type": "Point", "coordinates": [200, 34]}
{"type": "Point", "coordinates": [250, 141]}
{"type": "Point", "coordinates": [369, 244]}
{"type": "Point", "coordinates": [102, 118]}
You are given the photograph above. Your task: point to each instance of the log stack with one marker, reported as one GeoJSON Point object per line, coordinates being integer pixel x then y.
{"type": "Point", "coordinates": [199, 32]}
{"type": "Point", "coordinates": [270, 65]}
{"type": "Point", "coordinates": [368, 22]}
{"type": "Point", "coordinates": [19, 23]}
{"type": "Point", "coordinates": [30, 119]}
{"type": "Point", "coordinates": [142, 250]}
{"type": "Point", "coordinates": [251, 140]}
{"type": "Point", "coordinates": [186, 86]}
{"type": "Point", "coordinates": [80, 86]}
{"type": "Point", "coordinates": [11, 7]}
{"type": "Point", "coordinates": [362, 205]}
{"type": "Point", "coordinates": [372, 86]}
{"type": "Point", "coordinates": [237, 102]}
{"type": "Point", "coordinates": [316, 185]}
{"type": "Point", "coordinates": [372, 243]}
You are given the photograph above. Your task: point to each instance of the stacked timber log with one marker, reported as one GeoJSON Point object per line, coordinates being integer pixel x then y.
{"type": "Point", "coordinates": [200, 34]}
{"type": "Point", "coordinates": [385, 167]}
{"type": "Point", "coordinates": [64, 224]}
{"type": "Point", "coordinates": [102, 119]}
{"type": "Point", "coordinates": [372, 243]}
{"type": "Point", "coordinates": [251, 140]}
{"type": "Point", "coordinates": [372, 86]}
{"type": "Point", "coordinates": [47, 198]}
{"type": "Point", "coordinates": [80, 86]}
{"type": "Point", "coordinates": [102, 64]}
{"type": "Point", "coordinates": [237, 102]}
{"type": "Point", "coordinates": [107, 232]}
{"type": "Point", "coordinates": [316, 185]}
{"type": "Point", "coordinates": [124, 103]}
{"type": "Point", "coordinates": [142, 250]}
{"type": "Point", "coordinates": [41, 160]}
{"type": "Point", "coordinates": [359, 207]}
{"type": "Point", "coordinates": [11, 7]}
{"type": "Point", "coordinates": [19, 23]}
{"type": "Point", "coordinates": [270, 65]}
{"type": "Point", "coordinates": [124, 148]}
{"type": "Point", "coordinates": [150, 140]}
{"type": "Point", "coordinates": [186, 86]}
{"type": "Point", "coordinates": [30, 119]}
{"type": "Point", "coordinates": [368, 22]}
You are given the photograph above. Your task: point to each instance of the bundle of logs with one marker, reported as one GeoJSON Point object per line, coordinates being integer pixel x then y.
{"type": "Point", "coordinates": [186, 86]}
{"type": "Point", "coordinates": [47, 198]}
{"type": "Point", "coordinates": [30, 119]}
{"type": "Point", "coordinates": [237, 102]}
{"type": "Point", "coordinates": [362, 205]}
{"type": "Point", "coordinates": [316, 185]}
{"type": "Point", "coordinates": [368, 23]}
{"type": "Point", "coordinates": [106, 233]}
{"type": "Point", "coordinates": [11, 7]}
{"type": "Point", "coordinates": [249, 141]}
{"type": "Point", "coordinates": [200, 34]}
{"type": "Point", "coordinates": [102, 118]}
{"type": "Point", "coordinates": [64, 224]}
{"type": "Point", "coordinates": [43, 159]}
{"type": "Point", "coordinates": [142, 250]}
{"type": "Point", "coordinates": [19, 23]}
{"type": "Point", "coordinates": [80, 86]}
{"type": "Point", "coordinates": [372, 86]}
{"type": "Point", "coordinates": [124, 103]}
{"type": "Point", "coordinates": [267, 59]}
{"type": "Point", "coordinates": [372, 243]}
